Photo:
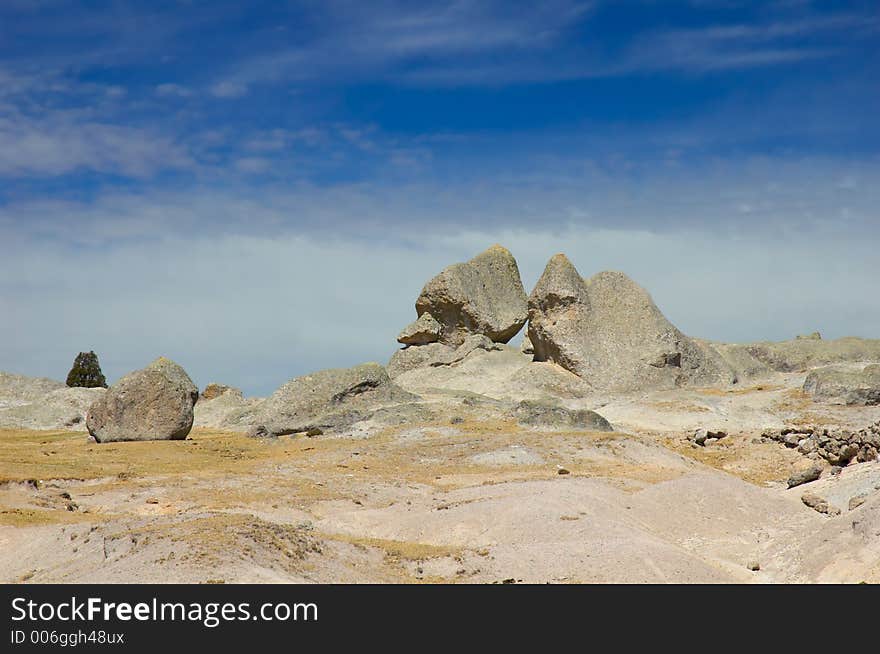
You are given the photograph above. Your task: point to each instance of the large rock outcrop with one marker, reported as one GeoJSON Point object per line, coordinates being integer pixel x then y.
{"type": "Point", "coordinates": [327, 400]}
{"type": "Point", "coordinates": [802, 354]}
{"type": "Point", "coordinates": [608, 331]}
{"type": "Point", "coordinates": [154, 403]}
{"type": "Point", "coordinates": [858, 385]}
{"type": "Point", "coordinates": [482, 296]}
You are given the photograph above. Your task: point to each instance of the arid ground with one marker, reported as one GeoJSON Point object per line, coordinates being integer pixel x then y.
{"type": "Point", "coordinates": [457, 499]}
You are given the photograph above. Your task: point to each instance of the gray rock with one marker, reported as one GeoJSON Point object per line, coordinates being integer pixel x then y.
{"type": "Point", "coordinates": [791, 440]}
{"type": "Point", "coordinates": [410, 358]}
{"type": "Point", "coordinates": [702, 436]}
{"type": "Point", "coordinates": [421, 332]}
{"type": "Point", "coordinates": [328, 400]}
{"type": "Point", "coordinates": [867, 453]}
{"type": "Point", "coordinates": [699, 436]}
{"type": "Point", "coordinates": [470, 344]}
{"type": "Point", "coordinates": [154, 403]}
{"type": "Point", "coordinates": [608, 331]}
{"type": "Point", "coordinates": [437, 354]}
{"type": "Point", "coordinates": [802, 354]}
{"type": "Point", "coordinates": [482, 296]}
{"type": "Point", "coordinates": [805, 476]}
{"type": "Point", "coordinates": [545, 414]}
{"type": "Point", "coordinates": [859, 386]}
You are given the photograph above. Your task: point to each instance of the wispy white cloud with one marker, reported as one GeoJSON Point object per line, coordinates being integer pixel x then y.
{"type": "Point", "coordinates": [173, 90]}
{"type": "Point", "coordinates": [57, 144]}
{"type": "Point", "coordinates": [231, 88]}
{"type": "Point", "coordinates": [483, 44]}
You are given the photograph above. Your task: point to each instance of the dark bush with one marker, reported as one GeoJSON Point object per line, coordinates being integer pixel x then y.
{"type": "Point", "coordinates": [86, 372]}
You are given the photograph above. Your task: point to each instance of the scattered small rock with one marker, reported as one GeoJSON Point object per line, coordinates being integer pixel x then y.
{"type": "Point", "coordinates": [819, 504]}
{"type": "Point", "coordinates": [857, 501]}
{"type": "Point", "coordinates": [152, 500]}
{"type": "Point", "coordinates": [563, 471]}
{"type": "Point", "coordinates": [754, 566]}
{"type": "Point", "coordinates": [805, 476]}
{"type": "Point", "coordinates": [703, 436]}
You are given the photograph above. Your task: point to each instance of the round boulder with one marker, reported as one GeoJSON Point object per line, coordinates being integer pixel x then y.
{"type": "Point", "coordinates": [152, 404]}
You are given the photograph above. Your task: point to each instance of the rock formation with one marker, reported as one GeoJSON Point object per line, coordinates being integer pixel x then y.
{"type": "Point", "coordinates": [852, 386]}
{"type": "Point", "coordinates": [482, 296]}
{"type": "Point", "coordinates": [608, 331]}
{"type": "Point", "coordinates": [154, 403]}
{"type": "Point", "coordinates": [327, 400]}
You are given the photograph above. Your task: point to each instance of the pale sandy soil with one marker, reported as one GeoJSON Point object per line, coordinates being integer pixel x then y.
{"type": "Point", "coordinates": [479, 501]}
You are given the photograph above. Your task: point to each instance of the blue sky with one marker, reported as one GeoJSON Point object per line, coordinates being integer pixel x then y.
{"type": "Point", "coordinates": [259, 189]}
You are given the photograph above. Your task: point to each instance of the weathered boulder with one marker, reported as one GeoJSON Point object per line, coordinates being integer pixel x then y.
{"type": "Point", "coordinates": [851, 386]}
{"type": "Point", "coordinates": [410, 358]}
{"type": "Point", "coordinates": [421, 332]}
{"type": "Point", "coordinates": [154, 403]}
{"type": "Point", "coordinates": [482, 296]}
{"type": "Point", "coordinates": [555, 416]}
{"type": "Point", "coordinates": [608, 331]}
{"type": "Point", "coordinates": [327, 400]}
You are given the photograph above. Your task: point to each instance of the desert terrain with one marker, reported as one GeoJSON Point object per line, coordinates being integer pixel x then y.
{"type": "Point", "coordinates": [471, 458]}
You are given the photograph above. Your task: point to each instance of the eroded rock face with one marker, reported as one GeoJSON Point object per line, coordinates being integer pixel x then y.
{"type": "Point", "coordinates": [482, 296]}
{"type": "Point", "coordinates": [608, 331]}
{"type": "Point", "coordinates": [154, 403]}
{"type": "Point", "coordinates": [327, 400]}
{"type": "Point", "coordinates": [858, 386]}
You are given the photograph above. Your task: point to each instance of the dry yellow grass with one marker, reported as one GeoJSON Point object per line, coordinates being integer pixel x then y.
{"type": "Point", "coordinates": [755, 463]}
{"type": "Point", "coordinates": [28, 455]}
{"type": "Point", "coordinates": [398, 550]}
{"type": "Point", "coordinates": [26, 517]}
{"type": "Point", "coordinates": [721, 392]}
